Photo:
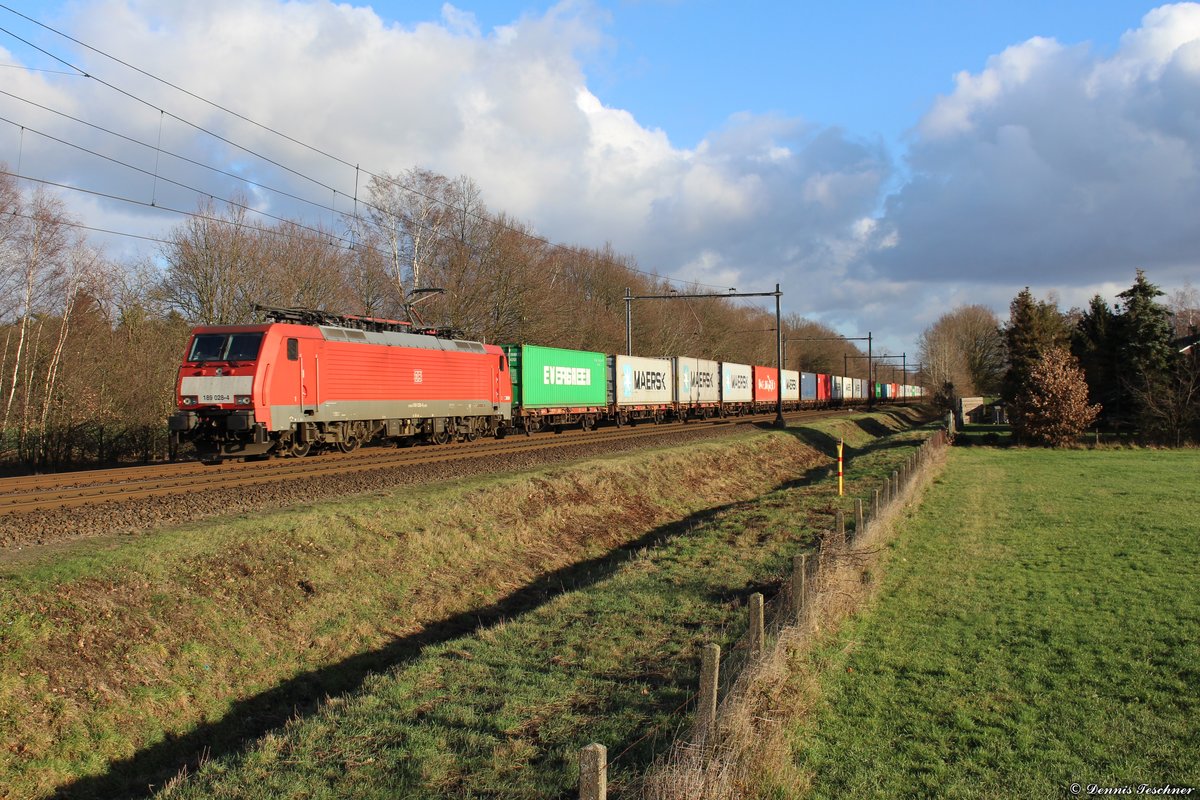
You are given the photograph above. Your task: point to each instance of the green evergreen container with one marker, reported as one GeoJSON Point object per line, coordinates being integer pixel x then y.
{"type": "Point", "coordinates": [550, 377]}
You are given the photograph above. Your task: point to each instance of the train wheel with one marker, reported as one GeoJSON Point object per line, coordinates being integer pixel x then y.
{"type": "Point", "coordinates": [441, 437]}
{"type": "Point", "coordinates": [299, 449]}
{"type": "Point", "coordinates": [350, 444]}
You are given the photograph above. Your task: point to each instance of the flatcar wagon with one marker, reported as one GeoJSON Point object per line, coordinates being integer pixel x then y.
{"type": "Point", "coordinates": [697, 387]}
{"type": "Point", "coordinates": [766, 388]}
{"type": "Point", "coordinates": [554, 388]}
{"type": "Point", "coordinates": [640, 388]}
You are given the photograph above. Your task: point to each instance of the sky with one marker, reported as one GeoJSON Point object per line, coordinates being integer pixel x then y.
{"type": "Point", "coordinates": [882, 162]}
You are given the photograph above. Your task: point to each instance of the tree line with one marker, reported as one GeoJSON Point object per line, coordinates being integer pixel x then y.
{"type": "Point", "coordinates": [91, 345]}
{"type": "Point", "coordinates": [1130, 367]}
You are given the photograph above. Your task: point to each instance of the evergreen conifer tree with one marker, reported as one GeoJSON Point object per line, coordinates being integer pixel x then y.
{"type": "Point", "coordinates": [1094, 342]}
{"type": "Point", "coordinates": [1034, 326]}
{"type": "Point", "coordinates": [1145, 334]}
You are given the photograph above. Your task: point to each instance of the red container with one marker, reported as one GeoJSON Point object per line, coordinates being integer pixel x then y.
{"type": "Point", "coordinates": [766, 385]}
{"type": "Point", "coordinates": [824, 386]}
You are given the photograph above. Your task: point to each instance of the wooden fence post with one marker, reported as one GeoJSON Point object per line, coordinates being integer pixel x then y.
{"type": "Point", "coordinates": [799, 568]}
{"type": "Point", "coordinates": [757, 626]}
{"type": "Point", "coordinates": [895, 485]}
{"type": "Point", "coordinates": [858, 517]}
{"type": "Point", "coordinates": [593, 772]}
{"type": "Point", "coordinates": [706, 713]}
{"type": "Point", "coordinates": [840, 522]}
{"type": "Point", "coordinates": [875, 506]}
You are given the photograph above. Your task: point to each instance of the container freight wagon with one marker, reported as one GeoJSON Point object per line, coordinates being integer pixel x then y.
{"type": "Point", "coordinates": [790, 384]}
{"type": "Point", "coordinates": [835, 388]}
{"type": "Point", "coordinates": [641, 388]}
{"type": "Point", "coordinates": [859, 387]}
{"type": "Point", "coordinates": [808, 388]}
{"type": "Point", "coordinates": [697, 387]}
{"type": "Point", "coordinates": [552, 387]}
{"type": "Point", "coordinates": [766, 388]}
{"type": "Point", "coordinates": [737, 388]}
{"type": "Point", "coordinates": [824, 388]}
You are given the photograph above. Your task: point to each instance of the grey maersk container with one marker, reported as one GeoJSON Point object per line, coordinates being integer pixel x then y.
{"type": "Point", "coordinates": [737, 385]}
{"type": "Point", "coordinates": [550, 377]}
{"type": "Point", "coordinates": [638, 381]}
{"type": "Point", "coordinates": [790, 383]}
{"type": "Point", "coordinates": [697, 381]}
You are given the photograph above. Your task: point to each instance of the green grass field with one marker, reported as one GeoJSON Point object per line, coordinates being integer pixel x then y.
{"type": "Point", "coordinates": [471, 633]}
{"type": "Point", "coordinates": [1038, 626]}
{"type": "Point", "coordinates": [503, 712]}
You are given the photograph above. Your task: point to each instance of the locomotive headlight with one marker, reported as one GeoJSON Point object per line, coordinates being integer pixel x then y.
{"type": "Point", "coordinates": [189, 401]}
{"type": "Point", "coordinates": [242, 399]}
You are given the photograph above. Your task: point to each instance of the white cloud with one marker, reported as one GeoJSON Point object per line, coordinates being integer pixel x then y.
{"type": "Point", "coordinates": [763, 198]}
{"type": "Point", "coordinates": [1055, 164]}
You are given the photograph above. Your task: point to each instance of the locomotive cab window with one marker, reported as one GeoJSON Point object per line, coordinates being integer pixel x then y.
{"type": "Point", "coordinates": [225, 347]}
{"type": "Point", "coordinates": [293, 346]}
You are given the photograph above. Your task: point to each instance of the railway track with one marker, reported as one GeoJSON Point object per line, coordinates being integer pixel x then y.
{"type": "Point", "coordinates": [64, 491]}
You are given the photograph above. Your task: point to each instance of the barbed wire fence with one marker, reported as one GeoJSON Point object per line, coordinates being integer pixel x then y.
{"type": "Point", "coordinates": [796, 605]}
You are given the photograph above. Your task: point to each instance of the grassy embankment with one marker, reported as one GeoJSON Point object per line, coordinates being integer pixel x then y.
{"type": "Point", "coordinates": [593, 584]}
{"type": "Point", "coordinates": [1039, 626]}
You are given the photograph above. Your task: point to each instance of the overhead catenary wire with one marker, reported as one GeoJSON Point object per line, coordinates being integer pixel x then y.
{"type": "Point", "coordinates": [81, 226]}
{"type": "Point", "coordinates": [388, 179]}
{"type": "Point", "coordinates": [217, 170]}
{"type": "Point", "coordinates": [172, 154]}
{"type": "Point", "coordinates": [170, 210]}
{"type": "Point", "coordinates": [429, 229]}
{"type": "Point", "coordinates": [152, 204]}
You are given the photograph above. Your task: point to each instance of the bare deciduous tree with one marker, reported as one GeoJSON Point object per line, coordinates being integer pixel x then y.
{"type": "Point", "coordinates": [964, 348]}
{"type": "Point", "coordinates": [1184, 305]}
{"type": "Point", "coordinates": [410, 213]}
{"type": "Point", "coordinates": [215, 266]}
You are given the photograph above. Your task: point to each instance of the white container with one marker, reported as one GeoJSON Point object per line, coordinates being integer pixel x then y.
{"type": "Point", "coordinates": [640, 381]}
{"type": "Point", "coordinates": [791, 386]}
{"type": "Point", "coordinates": [696, 381]}
{"type": "Point", "coordinates": [737, 384]}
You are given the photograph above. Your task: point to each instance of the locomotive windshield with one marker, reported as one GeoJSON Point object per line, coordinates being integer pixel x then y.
{"type": "Point", "coordinates": [225, 346]}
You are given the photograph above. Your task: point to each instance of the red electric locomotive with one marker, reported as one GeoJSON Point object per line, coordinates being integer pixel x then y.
{"type": "Point", "coordinates": [309, 379]}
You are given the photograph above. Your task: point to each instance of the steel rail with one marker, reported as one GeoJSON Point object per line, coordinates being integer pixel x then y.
{"type": "Point", "coordinates": [71, 490]}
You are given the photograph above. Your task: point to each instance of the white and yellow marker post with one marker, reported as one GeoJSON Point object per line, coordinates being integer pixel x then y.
{"type": "Point", "coordinates": [841, 444]}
